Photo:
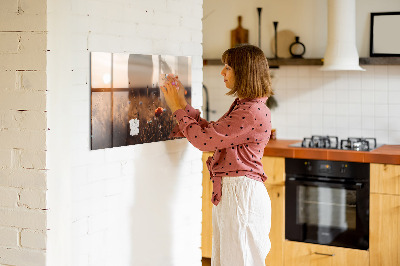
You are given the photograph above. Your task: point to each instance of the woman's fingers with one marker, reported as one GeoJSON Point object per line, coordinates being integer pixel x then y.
{"type": "Point", "coordinates": [163, 89]}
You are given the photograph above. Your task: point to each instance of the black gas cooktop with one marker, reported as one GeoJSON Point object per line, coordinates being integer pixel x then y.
{"type": "Point", "coordinates": [332, 142]}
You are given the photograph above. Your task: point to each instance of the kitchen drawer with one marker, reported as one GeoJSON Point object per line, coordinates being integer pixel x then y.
{"type": "Point", "coordinates": [305, 254]}
{"type": "Point", "coordinates": [385, 178]}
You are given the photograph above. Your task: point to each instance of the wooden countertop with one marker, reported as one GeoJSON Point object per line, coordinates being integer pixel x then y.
{"type": "Point", "coordinates": [389, 154]}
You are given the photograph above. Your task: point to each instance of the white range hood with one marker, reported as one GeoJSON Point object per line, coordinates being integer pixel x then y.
{"type": "Point", "coordinates": [341, 51]}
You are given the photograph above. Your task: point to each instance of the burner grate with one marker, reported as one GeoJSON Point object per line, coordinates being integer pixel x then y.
{"type": "Point", "coordinates": [327, 142]}
{"type": "Point", "coordinates": [358, 144]}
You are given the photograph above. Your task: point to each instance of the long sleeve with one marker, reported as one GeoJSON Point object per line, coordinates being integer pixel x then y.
{"type": "Point", "coordinates": [193, 113]}
{"type": "Point", "coordinates": [231, 130]}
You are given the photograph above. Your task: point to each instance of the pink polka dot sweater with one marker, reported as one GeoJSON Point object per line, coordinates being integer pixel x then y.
{"type": "Point", "coordinates": [238, 139]}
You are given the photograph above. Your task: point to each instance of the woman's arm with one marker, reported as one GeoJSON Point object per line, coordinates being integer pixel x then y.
{"type": "Point", "coordinates": [176, 100]}
{"type": "Point", "coordinates": [235, 129]}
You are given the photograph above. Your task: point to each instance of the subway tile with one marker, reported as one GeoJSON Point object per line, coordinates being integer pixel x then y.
{"type": "Point", "coordinates": [394, 123]}
{"type": "Point", "coordinates": [315, 72]}
{"type": "Point", "coordinates": [382, 110]}
{"type": "Point", "coordinates": [317, 131]}
{"type": "Point", "coordinates": [291, 71]}
{"type": "Point", "coordinates": [342, 96]}
{"type": "Point", "coordinates": [355, 96]}
{"type": "Point", "coordinates": [381, 123]}
{"type": "Point", "coordinates": [367, 133]}
{"type": "Point", "coordinates": [328, 74]}
{"type": "Point", "coordinates": [367, 109]}
{"type": "Point", "coordinates": [355, 122]}
{"type": "Point", "coordinates": [367, 82]}
{"type": "Point", "coordinates": [368, 122]}
{"type": "Point", "coordinates": [355, 132]}
{"type": "Point", "coordinates": [354, 81]}
{"type": "Point", "coordinates": [304, 82]}
{"type": "Point", "coordinates": [304, 72]}
{"type": "Point", "coordinates": [381, 84]}
{"type": "Point", "coordinates": [342, 82]}
{"type": "Point", "coordinates": [316, 83]}
{"type": "Point", "coordinates": [317, 120]}
{"type": "Point", "coordinates": [329, 94]}
{"type": "Point", "coordinates": [305, 95]}
{"type": "Point", "coordinates": [380, 97]}
{"type": "Point", "coordinates": [342, 109]}
{"type": "Point", "coordinates": [382, 136]}
{"type": "Point", "coordinates": [355, 109]}
{"type": "Point", "coordinates": [380, 71]}
{"type": "Point", "coordinates": [329, 122]}
{"type": "Point", "coordinates": [394, 97]}
{"type": "Point", "coordinates": [367, 96]}
{"type": "Point", "coordinates": [317, 95]}
{"type": "Point", "coordinates": [394, 110]}
{"type": "Point", "coordinates": [292, 83]}
{"type": "Point", "coordinates": [394, 137]}
{"type": "Point", "coordinates": [394, 83]}
{"type": "Point", "coordinates": [342, 122]}
{"type": "Point", "coordinates": [317, 107]}
{"type": "Point", "coordinates": [329, 109]}
{"type": "Point", "coordinates": [342, 133]}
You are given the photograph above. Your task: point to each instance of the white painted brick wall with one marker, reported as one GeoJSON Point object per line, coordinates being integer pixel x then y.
{"type": "Point", "coordinates": [23, 126]}
{"type": "Point", "coordinates": [9, 237]}
{"type": "Point", "coordinates": [34, 239]}
{"type": "Point", "coordinates": [124, 205]}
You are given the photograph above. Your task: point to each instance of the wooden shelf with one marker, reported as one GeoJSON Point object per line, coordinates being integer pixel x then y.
{"type": "Point", "coordinates": [274, 63]}
{"type": "Point", "coordinates": [380, 61]}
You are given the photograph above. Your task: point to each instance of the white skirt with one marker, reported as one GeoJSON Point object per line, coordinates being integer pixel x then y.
{"type": "Point", "coordinates": [241, 223]}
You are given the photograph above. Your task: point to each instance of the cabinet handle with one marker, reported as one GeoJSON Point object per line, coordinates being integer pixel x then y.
{"type": "Point", "coordinates": [324, 254]}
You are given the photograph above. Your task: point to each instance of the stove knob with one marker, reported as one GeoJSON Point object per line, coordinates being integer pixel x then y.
{"type": "Point", "coordinates": [343, 168]}
{"type": "Point", "coordinates": [308, 166]}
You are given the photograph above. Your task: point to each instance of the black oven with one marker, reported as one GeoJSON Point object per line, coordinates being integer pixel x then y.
{"type": "Point", "coordinates": [327, 202]}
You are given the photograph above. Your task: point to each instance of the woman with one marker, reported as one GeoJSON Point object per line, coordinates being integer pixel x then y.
{"type": "Point", "coordinates": [242, 208]}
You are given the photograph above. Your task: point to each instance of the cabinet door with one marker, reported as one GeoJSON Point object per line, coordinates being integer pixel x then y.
{"type": "Point", "coordinates": [206, 226]}
{"type": "Point", "coordinates": [304, 254]}
{"type": "Point", "coordinates": [385, 178]}
{"type": "Point", "coordinates": [274, 168]}
{"type": "Point", "coordinates": [277, 233]}
{"type": "Point", "coordinates": [384, 230]}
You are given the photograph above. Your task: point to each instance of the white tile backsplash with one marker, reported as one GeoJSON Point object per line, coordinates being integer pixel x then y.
{"type": "Point", "coordinates": [343, 103]}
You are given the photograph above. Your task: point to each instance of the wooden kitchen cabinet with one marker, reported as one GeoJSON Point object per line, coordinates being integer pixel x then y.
{"type": "Point", "coordinates": [277, 233]}
{"type": "Point", "coordinates": [385, 215]}
{"type": "Point", "coordinates": [274, 168]}
{"type": "Point", "coordinates": [206, 225]}
{"type": "Point", "coordinates": [305, 254]}
{"type": "Point", "coordinates": [385, 178]}
{"type": "Point", "coordinates": [384, 236]}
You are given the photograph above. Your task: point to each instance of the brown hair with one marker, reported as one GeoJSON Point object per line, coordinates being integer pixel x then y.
{"type": "Point", "coordinates": [250, 66]}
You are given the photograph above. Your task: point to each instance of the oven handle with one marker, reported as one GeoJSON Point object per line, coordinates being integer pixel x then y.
{"type": "Point", "coordinates": [357, 185]}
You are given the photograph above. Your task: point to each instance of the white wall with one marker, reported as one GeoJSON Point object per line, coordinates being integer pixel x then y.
{"type": "Point", "coordinates": [134, 205]}
{"type": "Point", "coordinates": [23, 133]}
{"type": "Point", "coordinates": [306, 19]}
{"type": "Point", "coordinates": [311, 102]}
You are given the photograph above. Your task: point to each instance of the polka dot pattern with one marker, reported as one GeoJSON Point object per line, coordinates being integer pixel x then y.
{"type": "Point", "coordinates": [238, 139]}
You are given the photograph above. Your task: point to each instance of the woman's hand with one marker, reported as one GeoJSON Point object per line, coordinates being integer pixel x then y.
{"type": "Point", "coordinates": [181, 92]}
{"type": "Point", "coordinates": [173, 97]}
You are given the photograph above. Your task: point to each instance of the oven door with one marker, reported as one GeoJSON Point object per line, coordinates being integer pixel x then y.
{"type": "Point", "coordinates": [327, 213]}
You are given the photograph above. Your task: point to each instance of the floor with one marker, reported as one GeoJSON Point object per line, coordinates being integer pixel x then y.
{"type": "Point", "coordinates": [206, 261]}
